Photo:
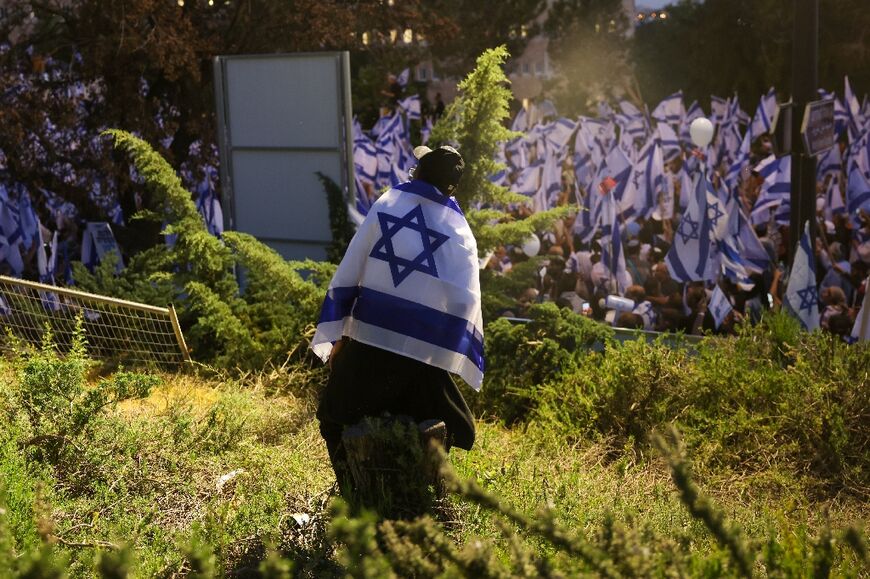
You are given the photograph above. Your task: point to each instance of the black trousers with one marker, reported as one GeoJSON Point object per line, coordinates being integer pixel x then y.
{"type": "Point", "coordinates": [368, 381]}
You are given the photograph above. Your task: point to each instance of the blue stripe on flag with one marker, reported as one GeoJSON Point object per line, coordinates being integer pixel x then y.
{"type": "Point", "coordinates": [419, 322]}
{"type": "Point", "coordinates": [673, 260]}
{"type": "Point", "coordinates": [338, 304]}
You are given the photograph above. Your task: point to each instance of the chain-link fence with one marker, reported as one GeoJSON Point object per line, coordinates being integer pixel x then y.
{"type": "Point", "coordinates": [126, 332]}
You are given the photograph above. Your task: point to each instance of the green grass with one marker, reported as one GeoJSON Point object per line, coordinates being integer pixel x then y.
{"type": "Point", "coordinates": [147, 478]}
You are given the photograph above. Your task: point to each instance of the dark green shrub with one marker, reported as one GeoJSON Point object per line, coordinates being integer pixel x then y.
{"type": "Point", "coordinates": [60, 405]}
{"type": "Point", "coordinates": [767, 395]}
{"type": "Point", "coordinates": [501, 292]}
{"type": "Point", "coordinates": [522, 357]}
{"type": "Point", "coordinates": [223, 324]}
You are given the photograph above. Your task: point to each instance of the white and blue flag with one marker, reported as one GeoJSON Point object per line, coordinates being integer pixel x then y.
{"type": "Point", "coordinates": [776, 189]}
{"type": "Point", "coordinates": [834, 199]}
{"type": "Point", "coordinates": [688, 257]}
{"type": "Point", "coordinates": [668, 140]}
{"type": "Point", "coordinates": [853, 112]}
{"type": "Point", "coordinates": [755, 257]}
{"type": "Point", "coordinates": [404, 77]}
{"type": "Point", "coordinates": [857, 191]}
{"type": "Point", "coordinates": [765, 114]}
{"type": "Point", "coordinates": [614, 260]}
{"type": "Point", "coordinates": [719, 306]}
{"type": "Point", "coordinates": [98, 241]}
{"type": "Point", "coordinates": [411, 106]}
{"type": "Point", "coordinates": [670, 110]}
{"type": "Point", "coordinates": [409, 284]}
{"type": "Point", "coordinates": [802, 293]}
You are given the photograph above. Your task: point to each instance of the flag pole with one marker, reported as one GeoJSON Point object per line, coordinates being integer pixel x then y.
{"type": "Point", "coordinates": [614, 286]}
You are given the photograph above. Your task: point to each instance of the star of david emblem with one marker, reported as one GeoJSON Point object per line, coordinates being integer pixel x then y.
{"type": "Point", "coordinates": [401, 268]}
{"type": "Point", "coordinates": [688, 229]}
{"type": "Point", "coordinates": [714, 213]}
{"type": "Point", "coordinates": [637, 177]}
{"type": "Point", "coordinates": [809, 297]}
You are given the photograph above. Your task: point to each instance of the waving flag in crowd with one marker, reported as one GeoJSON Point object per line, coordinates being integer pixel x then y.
{"type": "Point", "coordinates": [633, 175]}
{"type": "Point", "coordinates": [802, 293]}
{"type": "Point", "coordinates": [719, 306]}
{"type": "Point", "coordinates": [687, 257]}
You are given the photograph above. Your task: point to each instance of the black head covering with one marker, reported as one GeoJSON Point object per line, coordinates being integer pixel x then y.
{"type": "Point", "coordinates": [441, 167]}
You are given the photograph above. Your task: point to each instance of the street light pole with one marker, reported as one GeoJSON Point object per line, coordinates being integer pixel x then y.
{"type": "Point", "coordinates": [805, 44]}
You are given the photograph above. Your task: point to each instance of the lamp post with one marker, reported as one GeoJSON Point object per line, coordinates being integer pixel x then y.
{"type": "Point", "coordinates": [805, 43]}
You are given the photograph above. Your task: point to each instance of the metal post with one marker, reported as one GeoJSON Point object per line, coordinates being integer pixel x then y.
{"type": "Point", "coordinates": [804, 68]}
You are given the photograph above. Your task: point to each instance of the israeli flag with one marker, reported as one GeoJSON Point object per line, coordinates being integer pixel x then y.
{"type": "Point", "coordinates": [830, 163]}
{"type": "Point", "coordinates": [529, 180]}
{"type": "Point", "coordinates": [649, 178]}
{"type": "Point", "coordinates": [521, 121]}
{"type": "Point", "coordinates": [97, 241]}
{"type": "Point", "coordinates": [755, 257]}
{"type": "Point", "coordinates": [619, 168]}
{"type": "Point", "coordinates": [557, 136]}
{"type": "Point", "coordinates": [670, 110]}
{"type": "Point", "coordinates": [551, 185]}
{"type": "Point", "coordinates": [802, 293]}
{"type": "Point", "coordinates": [688, 257]}
{"type": "Point", "coordinates": [583, 223]}
{"type": "Point", "coordinates": [853, 111]}
{"type": "Point", "coordinates": [776, 188]}
{"type": "Point", "coordinates": [584, 166]}
{"type": "Point", "coordinates": [380, 125]}
{"type": "Point", "coordinates": [834, 199]}
{"type": "Point", "coordinates": [629, 110]}
{"type": "Point", "coordinates": [613, 258]}
{"type": "Point", "coordinates": [404, 77]}
{"type": "Point", "coordinates": [668, 140]}
{"type": "Point", "coordinates": [11, 254]}
{"type": "Point", "coordinates": [841, 117]}
{"type": "Point", "coordinates": [409, 284]}
{"type": "Point", "coordinates": [365, 158]}
{"type": "Point", "coordinates": [765, 114]}
{"type": "Point", "coordinates": [411, 106]}
{"type": "Point", "coordinates": [426, 130]}
{"type": "Point", "coordinates": [647, 312]}
{"type": "Point", "coordinates": [28, 218]}
{"type": "Point", "coordinates": [857, 191]}
{"type": "Point", "coordinates": [209, 206]}
{"type": "Point", "coordinates": [718, 109]}
{"type": "Point", "coordinates": [741, 160]}
{"type": "Point", "coordinates": [722, 212]}
{"type": "Point", "coordinates": [719, 306]}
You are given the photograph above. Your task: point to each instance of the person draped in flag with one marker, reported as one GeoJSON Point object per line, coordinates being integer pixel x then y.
{"type": "Point", "coordinates": [403, 312]}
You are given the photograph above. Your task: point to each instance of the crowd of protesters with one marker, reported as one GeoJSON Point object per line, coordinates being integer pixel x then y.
{"type": "Point", "coordinates": [564, 162]}
{"type": "Point", "coordinates": [573, 275]}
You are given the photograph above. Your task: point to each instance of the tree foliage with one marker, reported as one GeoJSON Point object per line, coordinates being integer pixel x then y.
{"type": "Point", "coordinates": [744, 46]}
{"type": "Point", "coordinates": [589, 49]}
{"type": "Point", "coordinates": [73, 69]}
{"type": "Point", "coordinates": [226, 324]}
{"type": "Point", "coordinates": [475, 123]}
{"type": "Point", "coordinates": [483, 25]}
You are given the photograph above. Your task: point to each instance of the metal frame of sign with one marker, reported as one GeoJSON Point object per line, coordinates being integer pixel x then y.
{"type": "Point", "coordinates": [342, 148]}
